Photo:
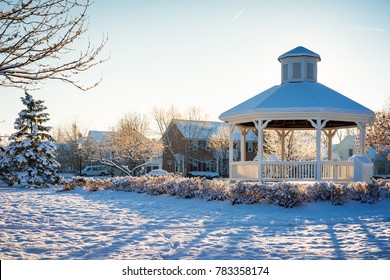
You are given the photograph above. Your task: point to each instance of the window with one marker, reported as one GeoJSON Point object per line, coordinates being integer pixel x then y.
{"type": "Point", "coordinates": [249, 147]}
{"type": "Point", "coordinates": [350, 152]}
{"type": "Point", "coordinates": [296, 70]}
{"type": "Point", "coordinates": [207, 166]}
{"type": "Point", "coordinates": [208, 146]}
{"type": "Point", "coordinates": [194, 165]}
{"type": "Point", "coordinates": [310, 71]}
{"type": "Point", "coordinates": [285, 72]}
{"type": "Point", "coordinates": [178, 168]}
{"type": "Point", "coordinates": [202, 144]}
{"type": "Point", "coordinates": [194, 145]}
{"type": "Point", "coordinates": [169, 163]}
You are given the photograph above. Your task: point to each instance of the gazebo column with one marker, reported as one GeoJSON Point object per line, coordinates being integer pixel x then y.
{"type": "Point", "coordinates": [260, 125]}
{"type": "Point", "coordinates": [231, 151]}
{"type": "Point", "coordinates": [362, 141]}
{"type": "Point", "coordinates": [282, 136]}
{"type": "Point", "coordinates": [244, 133]}
{"type": "Point", "coordinates": [318, 125]}
{"type": "Point", "coordinates": [330, 133]}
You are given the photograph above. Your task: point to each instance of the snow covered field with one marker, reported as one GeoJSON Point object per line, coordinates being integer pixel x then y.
{"type": "Point", "coordinates": [44, 224]}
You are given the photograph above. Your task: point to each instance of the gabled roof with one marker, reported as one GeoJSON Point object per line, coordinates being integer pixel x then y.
{"type": "Point", "coordinates": [347, 140]}
{"type": "Point", "coordinates": [299, 51]}
{"type": "Point", "coordinates": [98, 136]}
{"type": "Point", "coordinates": [197, 129]}
{"type": "Point", "coordinates": [206, 129]}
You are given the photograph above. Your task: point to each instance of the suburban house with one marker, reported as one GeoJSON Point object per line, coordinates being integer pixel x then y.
{"type": "Point", "coordinates": [193, 146]}
{"type": "Point", "coordinates": [347, 148]}
{"type": "Point", "coordinates": [298, 103]}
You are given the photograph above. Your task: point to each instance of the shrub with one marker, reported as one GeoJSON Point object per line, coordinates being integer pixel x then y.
{"type": "Point", "coordinates": [246, 193]}
{"type": "Point", "coordinates": [287, 195]}
{"type": "Point", "coordinates": [328, 191]}
{"type": "Point", "coordinates": [384, 187]}
{"type": "Point", "coordinates": [284, 194]}
{"type": "Point", "coordinates": [363, 192]}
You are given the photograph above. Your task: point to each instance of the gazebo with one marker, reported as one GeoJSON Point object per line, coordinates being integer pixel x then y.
{"type": "Point", "coordinates": [298, 103]}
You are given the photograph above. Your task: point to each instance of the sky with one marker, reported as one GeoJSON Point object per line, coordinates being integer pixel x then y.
{"type": "Point", "coordinates": [214, 55]}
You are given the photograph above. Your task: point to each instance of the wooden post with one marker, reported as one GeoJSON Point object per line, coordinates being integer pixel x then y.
{"type": "Point", "coordinates": [244, 132]}
{"type": "Point", "coordinates": [318, 125]}
{"type": "Point", "coordinates": [362, 141]}
{"type": "Point", "coordinates": [282, 136]}
{"type": "Point", "coordinates": [330, 133]}
{"type": "Point", "coordinates": [260, 125]}
{"type": "Point", "coordinates": [231, 140]}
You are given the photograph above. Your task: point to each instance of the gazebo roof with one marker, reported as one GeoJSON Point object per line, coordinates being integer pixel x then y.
{"type": "Point", "coordinates": [290, 105]}
{"type": "Point", "coordinates": [298, 99]}
{"type": "Point", "coordinates": [299, 51]}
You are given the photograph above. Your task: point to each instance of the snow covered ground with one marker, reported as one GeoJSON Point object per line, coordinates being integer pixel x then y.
{"type": "Point", "coordinates": [44, 224]}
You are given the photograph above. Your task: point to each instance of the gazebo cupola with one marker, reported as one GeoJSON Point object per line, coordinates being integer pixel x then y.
{"type": "Point", "coordinates": [300, 102]}
{"type": "Point", "coordinates": [298, 65]}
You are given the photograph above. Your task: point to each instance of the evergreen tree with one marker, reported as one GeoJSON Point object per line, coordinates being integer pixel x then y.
{"type": "Point", "coordinates": [6, 174]}
{"type": "Point", "coordinates": [31, 147]}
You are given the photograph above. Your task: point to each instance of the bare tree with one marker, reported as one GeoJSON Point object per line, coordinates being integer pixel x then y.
{"type": "Point", "coordinates": [378, 134]}
{"type": "Point", "coordinates": [68, 138]}
{"type": "Point", "coordinates": [131, 146]}
{"type": "Point", "coordinates": [386, 106]}
{"type": "Point", "coordinates": [37, 38]}
{"type": "Point", "coordinates": [195, 114]}
{"type": "Point", "coordinates": [69, 132]}
{"type": "Point", "coordinates": [300, 145]}
{"type": "Point", "coordinates": [219, 143]}
{"type": "Point", "coordinates": [163, 117]}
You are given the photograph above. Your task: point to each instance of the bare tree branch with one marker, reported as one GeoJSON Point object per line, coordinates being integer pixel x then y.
{"type": "Point", "coordinates": [36, 39]}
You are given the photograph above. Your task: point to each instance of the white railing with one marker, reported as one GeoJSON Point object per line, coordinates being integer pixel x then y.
{"type": "Point", "coordinates": [292, 170]}
{"type": "Point", "coordinates": [338, 171]}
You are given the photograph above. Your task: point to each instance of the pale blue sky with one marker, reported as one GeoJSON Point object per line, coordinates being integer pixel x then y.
{"type": "Point", "coordinates": [216, 54]}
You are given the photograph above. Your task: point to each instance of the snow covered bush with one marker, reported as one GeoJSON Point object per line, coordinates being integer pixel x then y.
{"type": "Point", "coordinates": [284, 194]}
{"type": "Point", "coordinates": [363, 192]}
{"type": "Point", "coordinates": [384, 187]}
{"type": "Point", "coordinates": [158, 172]}
{"type": "Point", "coordinates": [213, 190]}
{"type": "Point", "coordinates": [89, 184]}
{"type": "Point", "coordinates": [247, 193]}
{"type": "Point", "coordinates": [31, 149]}
{"type": "Point", "coordinates": [327, 191]}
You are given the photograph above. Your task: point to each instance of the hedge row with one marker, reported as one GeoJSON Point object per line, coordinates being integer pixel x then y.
{"type": "Point", "coordinates": [285, 194]}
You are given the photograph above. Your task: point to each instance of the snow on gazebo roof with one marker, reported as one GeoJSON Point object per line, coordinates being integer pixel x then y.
{"type": "Point", "coordinates": [292, 104]}
{"type": "Point", "coordinates": [299, 51]}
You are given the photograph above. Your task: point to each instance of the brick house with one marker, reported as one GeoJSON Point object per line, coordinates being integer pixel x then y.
{"type": "Point", "coordinates": [187, 147]}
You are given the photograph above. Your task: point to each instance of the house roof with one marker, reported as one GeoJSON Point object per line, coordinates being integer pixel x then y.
{"type": "Point", "coordinates": [299, 51]}
{"type": "Point", "coordinates": [205, 129]}
{"type": "Point", "coordinates": [298, 102]}
{"type": "Point", "coordinates": [348, 140]}
{"type": "Point", "coordinates": [98, 136]}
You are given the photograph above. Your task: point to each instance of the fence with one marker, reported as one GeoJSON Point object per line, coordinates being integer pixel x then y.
{"type": "Point", "coordinates": [292, 170]}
